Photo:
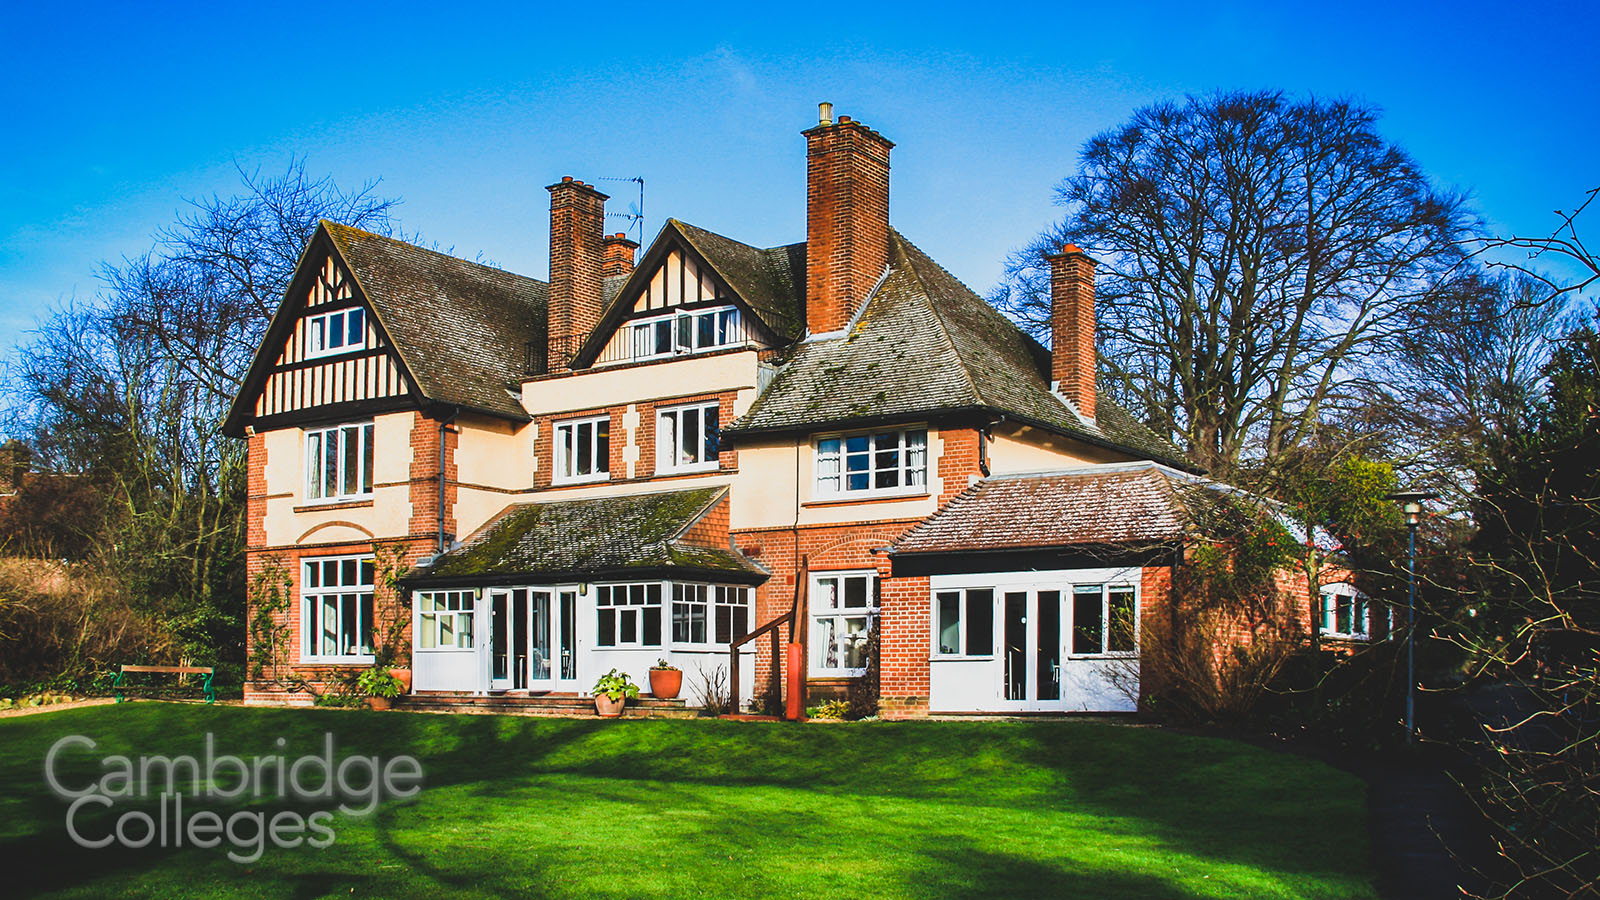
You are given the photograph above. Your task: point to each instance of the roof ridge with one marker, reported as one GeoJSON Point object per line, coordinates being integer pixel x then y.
{"type": "Point", "coordinates": [944, 327]}
{"type": "Point", "coordinates": [428, 250]}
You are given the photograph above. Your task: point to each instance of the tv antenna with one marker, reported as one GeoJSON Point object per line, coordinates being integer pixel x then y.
{"type": "Point", "coordinates": [635, 213]}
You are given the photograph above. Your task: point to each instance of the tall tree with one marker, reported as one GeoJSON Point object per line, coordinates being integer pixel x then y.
{"type": "Point", "coordinates": [131, 390]}
{"type": "Point", "coordinates": [1258, 252]}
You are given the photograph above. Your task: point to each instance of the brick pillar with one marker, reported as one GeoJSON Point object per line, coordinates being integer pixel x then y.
{"type": "Point", "coordinates": [847, 218]}
{"type": "Point", "coordinates": [1072, 353]}
{"type": "Point", "coordinates": [616, 255]}
{"type": "Point", "coordinates": [15, 459]}
{"type": "Point", "coordinates": [577, 222]}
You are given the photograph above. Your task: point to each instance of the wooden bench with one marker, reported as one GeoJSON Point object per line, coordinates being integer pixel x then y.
{"type": "Point", "coordinates": [122, 688]}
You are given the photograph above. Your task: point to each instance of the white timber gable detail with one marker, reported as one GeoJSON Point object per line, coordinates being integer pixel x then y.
{"type": "Point", "coordinates": [334, 352]}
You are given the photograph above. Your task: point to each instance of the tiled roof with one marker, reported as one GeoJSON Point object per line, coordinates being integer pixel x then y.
{"type": "Point", "coordinates": [771, 281]}
{"type": "Point", "coordinates": [1114, 505]}
{"type": "Point", "coordinates": [461, 328]}
{"type": "Point", "coordinates": [605, 536]}
{"type": "Point", "coordinates": [926, 344]}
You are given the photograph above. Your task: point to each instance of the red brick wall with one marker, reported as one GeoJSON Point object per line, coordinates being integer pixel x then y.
{"type": "Point", "coordinates": [958, 464]}
{"type": "Point", "coordinates": [847, 220]}
{"type": "Point", "coordinates": [903, 609]}
{"type": "Point", "coordinates": [1072, 352]}
{"type": "Point", "coordinates": [425, 436]}
{"type": "Point", "coordinates": [644, 437]}
{"type": "Point", "coordinates": [712, 529]}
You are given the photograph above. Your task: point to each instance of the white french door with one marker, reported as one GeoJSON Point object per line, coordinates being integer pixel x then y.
{"type": "Point", "coordinates": [1032, 639]}
{"type": "Point", "coordinates": [533, 639]}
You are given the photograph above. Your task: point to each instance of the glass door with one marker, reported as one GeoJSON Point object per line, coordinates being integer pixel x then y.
{"type": "Point", "coordinates": [1031, 661]}
{"type": "Point", "coordinates": [508, 640]}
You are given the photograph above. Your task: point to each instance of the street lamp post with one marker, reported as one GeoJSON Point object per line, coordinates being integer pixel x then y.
{"type": "Point", "coordinates": [1411, 504]}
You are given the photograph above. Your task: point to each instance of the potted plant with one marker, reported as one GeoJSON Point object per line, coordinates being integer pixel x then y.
{"type": "Point", "coordinates": [611, 693]}
{"type": "Point", "coordinates": [379, 686]}
{"type": "Point", "coordinates": [666, 680]}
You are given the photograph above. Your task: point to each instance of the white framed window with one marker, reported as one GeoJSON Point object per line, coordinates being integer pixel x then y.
{"type": "Point", "coordinates": [628, 615]}
{"type": "Point", "coordinates": [875, 462]}
{"type": "Point", "coordinates": [336, 609]}
{"type": "Point", "coordinates": [1346, 612]}
{"type": "Point", "coordinates": [582, 450]}
{"type": "Point", "coordinates": [1105, 620]}
{"type": "Point", "coordinates": [709, 615]}
{"type": "Point", "coordinates": [336, 332]}
{"type": "Point", "coordinates": [679, 333]}
{"type": "Point", "coordinates": [843, 610]}
{"type": "Point", "coordinates": [444, 620]}
{"type": "Point", "coordinates": [339, 462]}
{"type": "Point", "coordinates": [687, 438]}
{"type": "Point", "coordinates": [964, 622]}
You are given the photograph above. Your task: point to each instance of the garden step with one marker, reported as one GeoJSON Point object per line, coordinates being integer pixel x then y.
{"type": "Point", "coordinates": [569, 705]}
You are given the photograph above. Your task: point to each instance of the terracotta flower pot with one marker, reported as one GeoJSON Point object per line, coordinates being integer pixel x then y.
{"type": "Point", "coordinates": [405, 679]}
{"type": "Point", "coordinates": [665, 683]}
{"type": "Point", "coordinates": [608, 708]}
{"type": "Point", "coordinates": [379, 703]}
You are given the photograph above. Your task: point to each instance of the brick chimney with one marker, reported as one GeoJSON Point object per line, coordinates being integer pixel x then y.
{"type": "Point", "coordinates": [847, 218]}
{"type": "Point", "coordinates": [577, 221]}
{"type": "Point", "coordinates": [616, 255]}
{"type": "Point", "coordinates": [1072, 353]}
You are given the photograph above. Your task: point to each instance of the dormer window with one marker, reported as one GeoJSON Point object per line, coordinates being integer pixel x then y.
{"type": "Point", "coordinates": [336, 332]}
{"type": "Point", "coordinates": [682, 333]}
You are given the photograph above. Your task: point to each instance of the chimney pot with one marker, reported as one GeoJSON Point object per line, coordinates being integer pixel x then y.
{"type": "Point", "coordinates": [844, 120]}
{"type": "Point", "coordinates": [566, 178]}
{"type": "Point", "coordinates": [824, 113]}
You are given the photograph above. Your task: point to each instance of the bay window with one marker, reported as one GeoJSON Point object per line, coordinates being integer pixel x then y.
{"type": "Point", "coordinates": [444, 620]}
{"type": "Point", "coordinates": [709, 615]}
{"type": "Point", "coordinates": [628, 615]}
{"type": "Point", "coordinates": [582, 450]}
{"type": "Point", "coordinates": [339, 462]}
{"type": "Point", "coordinates": [886, 462]}
{"type": "Point", "coordinates": [687, 438]}
{"type": "Point", "coordinates": [336, 609]}
{"type": "Point", "coordinates": [843, 608]}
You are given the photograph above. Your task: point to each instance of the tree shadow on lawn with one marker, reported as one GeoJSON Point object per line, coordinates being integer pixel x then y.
{"type": "Point", "coordinates": [1206, 797]}
{"type": "Point", "coordinates": [46, 859]}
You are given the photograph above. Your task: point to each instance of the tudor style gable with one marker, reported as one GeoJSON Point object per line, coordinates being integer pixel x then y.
{"type": "Point", "coordinates": [326, 355]}
{"type": "Point", "coordinates": [696, 292]}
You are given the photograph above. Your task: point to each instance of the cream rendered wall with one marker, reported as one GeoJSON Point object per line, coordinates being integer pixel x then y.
{"type": "Point", "coordinates": [388, 514]}
{"type": "Point", "coordinates": [635, 384]}
{"type": "Point", "coordinates": [764, 493]}
{"type": "Point", "coordinates": [494, 464]}
{"type": "Point", "coordinates": [1019, 448]}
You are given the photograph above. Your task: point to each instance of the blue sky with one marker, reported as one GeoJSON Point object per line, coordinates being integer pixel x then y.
{"type": "Point", "coordinates": [115, 114]}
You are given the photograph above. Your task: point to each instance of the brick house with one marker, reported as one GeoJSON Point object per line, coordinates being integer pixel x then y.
{"type": "Point", "coordinates": [646, 458]}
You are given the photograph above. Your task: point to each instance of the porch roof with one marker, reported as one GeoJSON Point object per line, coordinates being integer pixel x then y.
{"type": "Point", "coordinates": [642, 535]}
{"type": "Point", "coordinates": [1107, 506]}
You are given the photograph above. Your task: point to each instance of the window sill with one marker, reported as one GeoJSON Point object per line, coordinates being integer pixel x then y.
{"type": "Point", "coordinates": [866, 498]}
{"type": "Point", "coordinates": [818, 674]}
{"type": "Point", "coordinates": [565, 482]}
{"type": "Point", "coordinates": [688, 470]}
{"type": "Point", "coordinates": [316, 505]}
{"type": "Point", "coordinates": [337, 660]}
{"type": "Point", "coordinates": [443, 649]}
{"type": "Point", "coordinates": [956, 657]}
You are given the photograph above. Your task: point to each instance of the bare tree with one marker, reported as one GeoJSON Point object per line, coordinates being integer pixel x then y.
{"type": "Point", "coordinates": [1564, 243]}
{"type": "Point", "coordinates": [1258, 254]}
{"type": "Point", "coordinates": [131, 390]}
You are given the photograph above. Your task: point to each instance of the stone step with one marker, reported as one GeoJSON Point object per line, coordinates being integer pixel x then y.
{"type": "Point", "coordinates": [569, 706]}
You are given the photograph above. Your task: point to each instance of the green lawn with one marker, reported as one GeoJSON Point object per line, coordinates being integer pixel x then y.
{"type": "Point", "coordinates": [669, 809]}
